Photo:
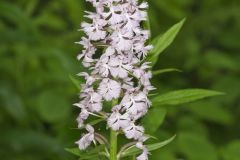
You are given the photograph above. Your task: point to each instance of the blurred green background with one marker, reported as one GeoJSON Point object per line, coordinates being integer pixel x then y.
{"type": "Point", "coordinates": [37, 55]}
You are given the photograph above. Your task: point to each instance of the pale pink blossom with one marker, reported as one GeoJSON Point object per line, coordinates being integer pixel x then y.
{"type": "Point", "coordinates": [86, 139]}
{"type": "Point", "coordinates": [117, 121]}
{"type": "Point", "coordinates": [144, 155]}
{"type": "Point", "coordinates": [133, 131]}
{"type": "Point", "coordinates": [84, 114]}
{"type": "Point", "coordinates": [136, 104]}
{"type": "Point", "coordinates": [119, 73]}
{"type": "Point", "coordinates": [119, 67]}
{"type": "Point", "coordinates": [109, 89]}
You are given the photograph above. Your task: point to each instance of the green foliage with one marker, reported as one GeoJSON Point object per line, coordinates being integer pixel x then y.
{"type": "Point", "coordinates": [231, 151]}
{"type": "Point", "coordinates": [154, 119]}
{"type": "Point", "coordinates": [93, 153]}
{"type": "Point", "coordinates": [48, 104]}
{"type": "Point", "coordinates": [151, 147]}
{"type": "Point", "coordinates": [160, 43]}
{"type": "Point", "coordinates": [37, 54]}
{"type": "Point", "coordinates": [183, 96]}
{"type": "Point", "coordinates": [161, 71]}
{"type": "Point", "coordinates": [196, 147]}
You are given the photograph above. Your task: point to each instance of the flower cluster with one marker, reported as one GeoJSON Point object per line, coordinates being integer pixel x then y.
{"type": "Point", "coordinates": [119, 72]}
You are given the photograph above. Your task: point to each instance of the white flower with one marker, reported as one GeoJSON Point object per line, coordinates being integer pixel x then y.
{"type": "Point", "coordinates": [109, 89]}
{"type": "Point", "coordinates": [85, 42]}
{"type": "Point", "coordinates": [113, 15]}
{"type": "Point", "coordinates": [144, 155]}
{"type": "Point", "coordinates": [92, 101]}
{"type": "Point", "coordinates": [121, 39]}
{"type": "Point", "coordinates": [117, 73]}
{"type": "Point", "coordinates": [86, 139]}
{"type": "Point", "coordinates": [138, 72]}
{"type": "Point", "coordinates": [89, 79]}
{"type": "Point", "coordinates": [87, 53]}
{"type": "Point", "coordinates": [102, 66]}
{"type": "Point", "coordinates": [95, 30]}
{"type": "Point", "coordinates": [117, 121]}
{"type": "Point", "coordinates": [133, 131]}
{"type": "Point", "coordinates": [84, 114]}
{"type": "Point", "coordinates": [136, 104]}
{"type": "Point", "coordinates": [119, 67]}
{"type": "Point", "coordinates": [142, 50]}
{"type": "Point", "coordinates": [143, 5]}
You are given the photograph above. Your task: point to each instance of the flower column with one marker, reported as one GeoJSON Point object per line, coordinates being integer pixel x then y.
{"type": "Point", "coordinates": [119, 74]}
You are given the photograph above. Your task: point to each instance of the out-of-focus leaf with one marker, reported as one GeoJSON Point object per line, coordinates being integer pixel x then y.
{"type": "Point", "coordinates": [231, 151]}
{"type": "Point", "coordinates": [205, 110]}
{"type": "Point", "coordinates": [163, 41]}
{"type": "Point", "coordinates": [52, 107]}
{"type": "Point", "coordinates": [31, 6]}
{"type": "Point", "coordinates": [196, 147]}
{"type": "Point", "coordinates": [185, 123]}
{"type": "Point", "coordinates": [151, 147]}
{"type": "Point", "coordinates": [154, 119]}
{"type": "Point", "coordinates": [169, 8]}
{"type": "Point", "coordinates": [76, 83]}
{"type": "Point", "coordinates": [183, 96]}
{"type": "Point", "coordinates": [13, 104]}
{"type": "Point", "coordinates": [231, 86]}
{"type": "Point", "coordinates": [161, 71]}
{"type": "Point", "coordinates": [14, 14]}
{"type": "Point", "coordinates": [217, 59]}
{"type": "Point", "coordinates": [73, 7]}
{"type": "Point", "coordinates": [51, 21]}
{"type": "Point", "coordinates": [28, 140]}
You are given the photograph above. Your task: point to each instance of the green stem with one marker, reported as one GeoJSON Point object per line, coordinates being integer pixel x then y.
{"type": "Point", "coordinates": [113, 139]}
{"type": "Point", "coordinates": [113, 145]}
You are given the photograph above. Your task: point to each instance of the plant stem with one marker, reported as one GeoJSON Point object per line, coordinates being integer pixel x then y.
{"type": "Point", "coordinates": [113, 139]}
{"type": "Point", "coordinates": [113, 145]}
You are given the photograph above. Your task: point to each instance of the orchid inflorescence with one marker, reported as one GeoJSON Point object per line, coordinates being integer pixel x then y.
{"type": "Point", "coordinates": [120, 73]}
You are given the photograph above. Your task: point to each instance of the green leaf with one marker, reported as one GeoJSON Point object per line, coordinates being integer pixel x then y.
{"type": "Point", "coordinates": [161, 71]}
{"type": "Point", "coordinates": [14, 14]}
{"type": "Point", "coordinates": [90, 153]}
{"type": "Point", "coordinates": [74, 151]}
{"type": "Point", "coordinates": [204, 111]}
{"type": "Point", "coordinates": [196, 147]}
{"type": "Point", "coordinates": [31, 7]}
{"type": "Point", "coordinates": [183, 96]}
{"type": "Point", "coordinates": [231, 151]}
{"type": "Point", "coordinates": [75, 82]}
{"type": "Point", "coordinates": [52, 106]}
{"type": "Point", "coordinates": [151, 147]}
{"type": "Point", "coordinates": [154, 119]}
{"type": "Point", "coordinates": [161, 42]}
{"type": "Point", "coordinates": [14, 105]}
{"type": "Point", "coordinates": [28, 140]}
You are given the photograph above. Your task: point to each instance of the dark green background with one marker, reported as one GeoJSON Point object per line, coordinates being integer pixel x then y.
{"type": "Point", "coordinates": [37, 55]}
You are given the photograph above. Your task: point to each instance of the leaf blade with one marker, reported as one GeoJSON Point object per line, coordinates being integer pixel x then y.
{"type": "Point", "coordinates": [161, 42]}
{"type": "Point", "coordinates": [161, 71]}
{"type": "Point", "coordinates": [154, 118]}
{"type": "Point", "coordinates": [82, 154]}
{"type": "Point", "coordinates": [151, 147]}
{"type": "Point", "coordinates": [184, 96]}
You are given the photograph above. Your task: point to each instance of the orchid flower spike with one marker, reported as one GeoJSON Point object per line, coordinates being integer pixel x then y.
{"type": "Point", "coordinates": [119, 73]}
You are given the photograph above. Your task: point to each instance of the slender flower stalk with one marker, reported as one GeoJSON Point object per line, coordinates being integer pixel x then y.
{"type": "Point", "coordinates": [113, 140]}
{"type": "Point", "coordinates": [119, 74]}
